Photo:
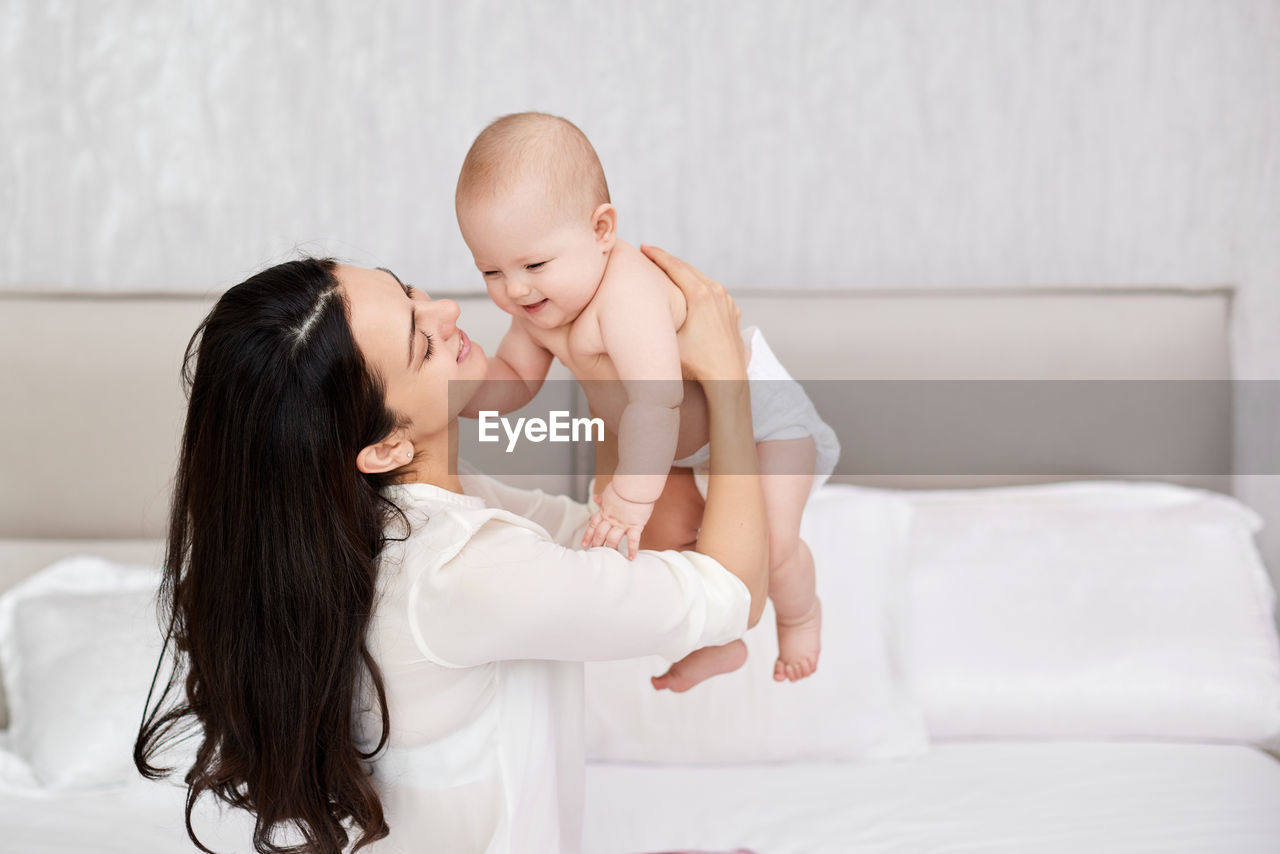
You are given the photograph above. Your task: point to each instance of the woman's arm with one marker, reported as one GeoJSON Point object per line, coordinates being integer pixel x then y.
{"type": "Point", "coordinates": [711, 352]}
{"type": "Point", "coordinates": [512, 594]}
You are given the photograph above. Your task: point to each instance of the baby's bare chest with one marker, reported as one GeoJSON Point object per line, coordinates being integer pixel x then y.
{"type": "Point", "coordinates": [584, 355]}
{"type": "Point", "coordinates": [580, 348]}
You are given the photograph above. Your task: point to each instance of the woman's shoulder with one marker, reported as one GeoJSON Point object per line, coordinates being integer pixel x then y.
{"type": "Point", "coordinates": [428, 542]}
{"type": "Point", "coordinates": [559, 516]}
{"type": "Point", "coordinates": [425, 511]}
{"type": "Point", "coordinates": [443, 521]}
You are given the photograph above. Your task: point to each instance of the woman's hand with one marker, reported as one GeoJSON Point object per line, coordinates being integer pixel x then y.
{"type": "Point", "coordinates": [710, 343]}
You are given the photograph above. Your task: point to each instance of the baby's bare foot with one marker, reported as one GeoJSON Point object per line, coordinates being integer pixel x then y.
{"type": "Point", "coordinates": [701, 664]}
{"type": "Point", "coordinates": [799, 642]}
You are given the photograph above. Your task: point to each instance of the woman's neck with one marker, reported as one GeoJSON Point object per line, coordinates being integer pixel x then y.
{"type": "Point", "coordinates": [435, 461]}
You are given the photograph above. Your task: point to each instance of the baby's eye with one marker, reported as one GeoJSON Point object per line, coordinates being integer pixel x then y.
{"type": "Point", "coordinates": [534, 266]}
{"type": "Point", "coordinates": [488, 273]}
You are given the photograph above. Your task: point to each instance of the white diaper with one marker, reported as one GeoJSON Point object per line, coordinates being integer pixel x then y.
{"type": "Point", "coordinates": [780, 409]}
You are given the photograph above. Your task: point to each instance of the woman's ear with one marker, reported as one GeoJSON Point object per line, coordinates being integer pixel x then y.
{"type": "Point", "coordinates": [604, 222]}
{"type": "Point", "coordinates": [384, 456]}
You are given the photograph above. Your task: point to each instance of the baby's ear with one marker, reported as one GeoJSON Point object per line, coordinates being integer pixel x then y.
{"type": "Point", "coordinates": [604, 223]}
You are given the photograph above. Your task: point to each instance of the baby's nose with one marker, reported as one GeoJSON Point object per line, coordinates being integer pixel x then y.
{"type": "Point", "coordinates": [517, 287]}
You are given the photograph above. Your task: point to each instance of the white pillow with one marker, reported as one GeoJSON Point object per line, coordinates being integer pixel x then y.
{"type": "Point", "coordinates": [857, 706]}
{"type": "Point", "coordinates": [79, 642]}
{"type": "Point", "coordinates": [1093, 610]}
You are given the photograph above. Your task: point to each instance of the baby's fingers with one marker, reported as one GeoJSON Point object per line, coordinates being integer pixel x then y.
{"type": "Point", "coordinates": [633, 541]}
{"type": "Point", "coordinates": [596, 535]}
{"type": "Point", "coordinates": [615, 535]}
{"type": "Point", "coordinates": [590, 535]}
{"type": "Point", "coordinates": [608, 534]}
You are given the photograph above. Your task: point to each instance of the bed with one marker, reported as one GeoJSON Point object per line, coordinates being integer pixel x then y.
{"type": "Point", "coordinates": [1016, 798]}
{"type": "Point", "coordinates": [1064, 655]}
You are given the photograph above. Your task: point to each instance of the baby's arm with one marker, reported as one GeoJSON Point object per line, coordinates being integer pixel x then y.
{"type": "Point", "coordinates": [640, 339]}
{"type": "Point", "coordinates": [514, 375]}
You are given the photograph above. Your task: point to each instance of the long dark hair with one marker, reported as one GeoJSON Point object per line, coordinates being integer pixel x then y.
{"type": "Point", "coordinates": [270, 567]}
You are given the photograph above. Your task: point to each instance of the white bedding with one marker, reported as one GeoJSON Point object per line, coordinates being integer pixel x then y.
{"type": "Point", "coordinates": [1014, 798]}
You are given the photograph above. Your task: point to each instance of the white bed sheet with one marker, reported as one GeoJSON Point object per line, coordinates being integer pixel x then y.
{"type": "Point", "coordinates": [1011, 798]}
{"type": "Point", "coordinates": [963, 798]}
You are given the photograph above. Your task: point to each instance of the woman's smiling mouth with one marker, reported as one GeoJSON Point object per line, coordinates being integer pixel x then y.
{"type": "Point", "coordinates": [464, 346]}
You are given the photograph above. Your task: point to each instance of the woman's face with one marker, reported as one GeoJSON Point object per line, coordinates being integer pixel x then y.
{"type": "Point", "coordinates": [414, 344]}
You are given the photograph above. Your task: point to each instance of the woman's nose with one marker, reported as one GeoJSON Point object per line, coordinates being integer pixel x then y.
{"type": "Point", "coordinates": [447, 312]}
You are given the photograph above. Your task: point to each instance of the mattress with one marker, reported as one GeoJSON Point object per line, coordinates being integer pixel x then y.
{"type": "Point", "coordinates": [1020, 798]}
{"type": "Point", "coordinates": [975, 798]}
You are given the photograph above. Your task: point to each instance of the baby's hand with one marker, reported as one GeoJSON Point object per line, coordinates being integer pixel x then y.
{"type": "Point", "coordinates": [617, 517]}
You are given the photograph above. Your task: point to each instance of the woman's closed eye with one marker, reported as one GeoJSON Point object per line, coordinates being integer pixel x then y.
{"type": "Point", "coordinates": [408, 291]}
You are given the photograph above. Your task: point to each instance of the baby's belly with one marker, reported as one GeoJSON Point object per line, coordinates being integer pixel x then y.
{"type": "Point", "coordinates": [608, 399]}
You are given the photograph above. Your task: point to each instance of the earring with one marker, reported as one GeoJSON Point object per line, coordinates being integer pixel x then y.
{"type": "Point", "coordinates": [408, 455]}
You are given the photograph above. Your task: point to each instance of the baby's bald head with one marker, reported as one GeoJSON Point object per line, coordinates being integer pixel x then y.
{"type": "Point", "coordinates": [546, 149]}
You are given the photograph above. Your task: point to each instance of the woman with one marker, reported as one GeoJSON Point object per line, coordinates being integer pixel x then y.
{"type": "Point", "coordinates": [343, 601]}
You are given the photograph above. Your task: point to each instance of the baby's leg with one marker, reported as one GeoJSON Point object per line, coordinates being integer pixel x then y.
{"type": "Point", "coordinates": [677, 514]}
{"type": "Point", "coordinates": [674, 525]}
{"type": "Point", "coordinates": [788, 468]}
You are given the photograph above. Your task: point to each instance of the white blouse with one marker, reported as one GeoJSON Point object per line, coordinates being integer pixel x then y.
{"type": "Point", "coordinates": [484, 618]}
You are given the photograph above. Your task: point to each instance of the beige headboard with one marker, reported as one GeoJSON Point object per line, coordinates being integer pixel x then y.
{"type": "Point", "coordinates": [918, 382]}
{"type": "Point", "coordinates": [93, 404]}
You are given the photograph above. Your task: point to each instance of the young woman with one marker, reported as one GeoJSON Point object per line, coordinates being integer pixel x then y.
{"type": "Point", "coordinates": [374, 648]}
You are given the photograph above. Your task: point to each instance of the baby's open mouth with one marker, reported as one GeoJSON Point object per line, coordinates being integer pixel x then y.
{"type": "Point", "coordinates": [535, 307]}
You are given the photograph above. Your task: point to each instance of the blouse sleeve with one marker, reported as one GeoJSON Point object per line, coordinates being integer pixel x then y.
{"type": "Point", "coordinates": [513, 594]}
{"type": "Point", "coordinates": [562, 517]}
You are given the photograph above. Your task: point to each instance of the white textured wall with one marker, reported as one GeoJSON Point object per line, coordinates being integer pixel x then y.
{"type": "Point", "coordinates": [164, 144]}
{"type": "Point", "coordinates": [182, 145]}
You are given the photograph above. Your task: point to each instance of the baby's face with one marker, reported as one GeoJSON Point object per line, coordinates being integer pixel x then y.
{"type": "Point", "coordinates": [537, 262]}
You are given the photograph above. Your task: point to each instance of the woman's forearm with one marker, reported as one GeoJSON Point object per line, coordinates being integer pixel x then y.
{"type": "Point", "coordinates": [733, 523]}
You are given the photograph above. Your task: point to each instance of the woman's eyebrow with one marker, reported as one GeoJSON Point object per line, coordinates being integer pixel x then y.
{"type": "Point", "coordinates": [391, 274]}
{"type": "Point", "coordinates": [412, 327]}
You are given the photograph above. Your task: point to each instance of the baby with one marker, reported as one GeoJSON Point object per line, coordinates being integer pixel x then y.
{"type": "Point", "coordinates": [533, 207]}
